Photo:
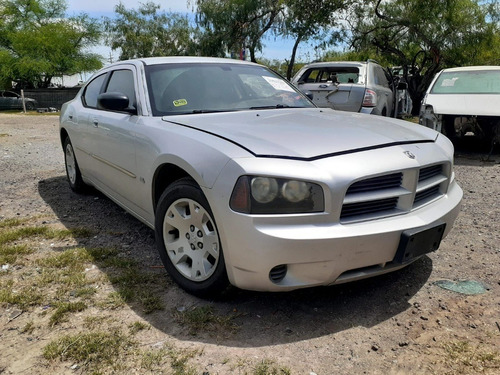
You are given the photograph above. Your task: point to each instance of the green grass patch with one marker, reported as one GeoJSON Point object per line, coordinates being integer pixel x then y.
{"type": "Point", "coordinates": [137, 327]}
{"type": "Point", "coordinates": [150, 302]}
{"type": "Point", "coordinates": [9, 223]}
{"type": "Point", "coordinates": [10, 254]}
{"type": "Point", "coordinates": [93, 349]}
{"type": "Point", "coordinates": [23, 297]}
{"type": "Point", "coordinates": [465, 358]}
{"type": "Point", "coordinates": [155, 361]}
{"type": "Point", "coordinates": [117, 299]}
{"type": "Point", "coordinates": [269, 367]}
{"type": "Point", "coordinates": [45, 232]}
{"type": "Point", "coordinates": [63, 309]}
{"type": "Point", "coordinates": [203, 319]}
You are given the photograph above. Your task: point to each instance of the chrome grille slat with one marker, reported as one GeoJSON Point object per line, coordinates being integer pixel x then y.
{"type": "Point", "coordinates": [394, 193]}
{"type": "Point", "coordinates": [424, 194]}
{"type": "Point", "coordinates": [376, 183]}
{"type": "Point", "coordinates": [429, 172]}
{"type": "Point", "coordinates": [364, 208]}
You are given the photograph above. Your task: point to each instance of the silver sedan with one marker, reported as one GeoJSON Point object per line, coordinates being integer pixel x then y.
{"type": "Point", "coordinates": [246, 182]}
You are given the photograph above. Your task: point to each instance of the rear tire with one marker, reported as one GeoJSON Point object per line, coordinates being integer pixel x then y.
{"type": "Point", "coordinates": [188, 241]}
{"type": "Point", "coordinates": [72, 170]}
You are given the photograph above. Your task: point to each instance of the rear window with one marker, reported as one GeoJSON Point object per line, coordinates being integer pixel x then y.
{"type": "Point", "coordinates": [468, 82]}
{"type": "Point", "coordinates": [331, 74]}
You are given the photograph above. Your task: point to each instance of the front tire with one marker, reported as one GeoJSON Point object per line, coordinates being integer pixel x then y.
{"type": "Point", "coordinates": [72, 170]}
{"type": "Point", "coordinates": [188, 241]}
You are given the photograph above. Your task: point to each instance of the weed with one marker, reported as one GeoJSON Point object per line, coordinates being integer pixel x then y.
{"type": "Point", "coordinates": [268, 367]}
{"type": "Point", "coordinates": [94, 322]}
{"type": "Point", "coordinates": [28, 327]}
{"type": "Point", "coordinates": [9, 223]}
{"type": "Point", "coordinates": [117, 299]}
{"type": "Point", "coordinates": [150, 302]}
{"type": "Point", "coordinates": [138, 326]}
{"type": "Point", "coordinates": [93, 349]}
{"type": "Point", "coordinates": [10, 254]}
{"type": "Point", "coordinates": [21, 297]}
{"type": "Point", "coordinates": [152, 359]}
{"type": "Point", "coordinates": [203, 318]}
{"type": "Point", "coordinates": [63, 309]}
{"type": "Point", "coordinates": [46, 232]}
{"type": "Point", "coordinates": [469, 358]}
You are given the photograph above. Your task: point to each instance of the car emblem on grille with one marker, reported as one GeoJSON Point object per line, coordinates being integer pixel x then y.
{"type": "Point", "coordinates": [409, 154]}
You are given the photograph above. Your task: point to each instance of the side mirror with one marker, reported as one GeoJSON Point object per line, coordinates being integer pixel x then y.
{"type": "Point", "coordinates": [115, 101]}
{"type": "Point", "coordinates": [402, 86]}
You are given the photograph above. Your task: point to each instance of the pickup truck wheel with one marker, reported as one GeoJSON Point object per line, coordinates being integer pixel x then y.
{"type": "Point", "coordinates": [188, 241]}
{"type": "Point", "coordinates": [72, 170]}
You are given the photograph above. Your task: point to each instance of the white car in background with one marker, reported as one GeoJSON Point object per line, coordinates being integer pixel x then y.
{"type": "Point", "coordinates": [247, 182]}
{"type": "Point", "coordinates": [462, 100]}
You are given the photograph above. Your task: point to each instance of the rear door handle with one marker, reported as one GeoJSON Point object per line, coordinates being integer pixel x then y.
{"type": "Point", "coordinates": [95, 122]}
{"type": "Point", "coordinates": [323, 86]}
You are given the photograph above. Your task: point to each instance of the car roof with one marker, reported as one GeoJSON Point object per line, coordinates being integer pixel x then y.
{"type": "Point", "coordinates": [338, 63]}
{"type": "Point", "coordinates": [185, 59]}
{"type": "Point", "coordinates": [471, 68]}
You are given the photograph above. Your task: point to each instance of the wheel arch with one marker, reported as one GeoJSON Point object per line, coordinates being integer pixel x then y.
{"type": "Point", "coordinates": [63, 135]}
{"type": "Point", "coordinates": [165, 175]}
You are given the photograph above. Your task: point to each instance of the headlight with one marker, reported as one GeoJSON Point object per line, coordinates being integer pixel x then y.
{"type": "Point", "coordinates": [267, 195]}
{"type": "Point", "coordinates": [264, 189]}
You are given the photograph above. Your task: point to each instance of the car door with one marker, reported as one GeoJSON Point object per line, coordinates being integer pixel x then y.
{"type": "Point", "coordinates": [113, 141]}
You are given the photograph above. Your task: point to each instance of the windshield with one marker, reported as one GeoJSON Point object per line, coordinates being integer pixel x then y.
{"type": "Point", "coordinates": [468, 82]}
{"type": "Point", "coordinates": [218, 87]}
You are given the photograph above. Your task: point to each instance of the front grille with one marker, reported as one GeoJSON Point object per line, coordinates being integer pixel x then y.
{"type": "Point", "coordinates": [424, 194]}
{"type": "Point", "coordinates": [429, 172]}
{"type": "Point", "coordinates": [393, 193]}
{"type": "Point", "coordinates": [376, 183]}
{"type": "Point", "coordinates": [366, 208]}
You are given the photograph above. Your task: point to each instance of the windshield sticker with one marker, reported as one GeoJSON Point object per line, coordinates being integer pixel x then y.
{"type": "Point", "coordinates": [180, 102]}
{"type": "Point", "coordinates": [449, 82]}
{"type": "Point", "coordinates": [278, 84]}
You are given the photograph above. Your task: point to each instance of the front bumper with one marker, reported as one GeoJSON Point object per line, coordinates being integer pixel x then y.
{"type": "Point", "coordinates": [319, 249]}
{"type": "Point", "coordinates": [322, 255]}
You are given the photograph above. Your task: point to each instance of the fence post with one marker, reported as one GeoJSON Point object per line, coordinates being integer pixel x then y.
{"type": "Point", "coordinates": [22, 98]}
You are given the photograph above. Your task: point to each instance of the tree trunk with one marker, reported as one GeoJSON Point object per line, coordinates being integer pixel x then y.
{"type": "Point", "coordinates": [289, 70]}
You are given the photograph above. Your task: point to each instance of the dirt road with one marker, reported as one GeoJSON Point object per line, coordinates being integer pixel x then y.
{"type": "Point", "coordinates": [401, 323]}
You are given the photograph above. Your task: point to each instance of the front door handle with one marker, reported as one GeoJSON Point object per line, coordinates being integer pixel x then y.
{"type": "Point", "coordinates": [95, 122]}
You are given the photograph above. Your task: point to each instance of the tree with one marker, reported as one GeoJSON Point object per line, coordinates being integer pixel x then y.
{"type": "Point", "coordinates": [146, 32]}
{"type": "Point", "coordinates": [233, 25]}
{"type": "Point", "coordinates": [306, 19]}
{"type": "Point", "coordinates": [426, 36]}
{"type": "Point", "coordinates": [37, 42]}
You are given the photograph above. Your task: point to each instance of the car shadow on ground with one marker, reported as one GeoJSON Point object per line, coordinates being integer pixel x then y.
{"type": "Point", "coordinates": [257, 319]}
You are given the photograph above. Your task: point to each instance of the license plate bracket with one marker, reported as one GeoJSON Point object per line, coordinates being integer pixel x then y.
{"type": "Point", "coordinates": [419, 241]}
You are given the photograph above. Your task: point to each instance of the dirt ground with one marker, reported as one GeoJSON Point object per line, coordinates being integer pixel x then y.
{"type": "Point", "coordinates": [401, 323]}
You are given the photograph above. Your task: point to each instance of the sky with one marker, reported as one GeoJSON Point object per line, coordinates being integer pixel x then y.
{"type": "Point", "coordinates": [274, 48]}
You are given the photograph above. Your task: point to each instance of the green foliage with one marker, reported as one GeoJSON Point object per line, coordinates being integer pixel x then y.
{"type": "Point", "coordinates": [38, 43]}
{"type": "Point", "coordinates": [146, 32]}
{"type": "Point", "coordinates": [236, 24]}
{"type": "Point", "coordinates": [426, 36]}
{"type": "Point", "coordinates": [311, 19]}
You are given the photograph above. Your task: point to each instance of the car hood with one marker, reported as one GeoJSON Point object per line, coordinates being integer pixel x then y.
{"type": "Point", "coordinates": [305, 133]}
{"type": "Point", "coordinates": [464, 104]}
